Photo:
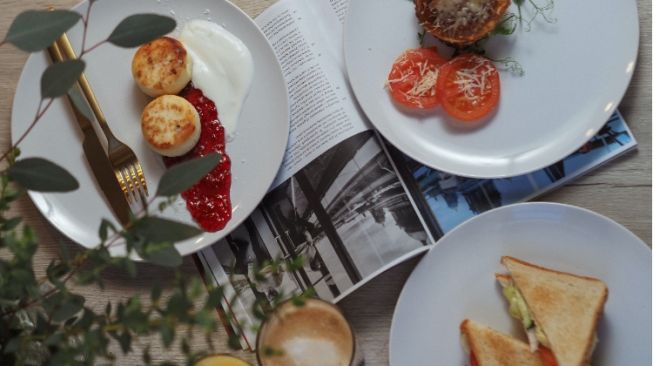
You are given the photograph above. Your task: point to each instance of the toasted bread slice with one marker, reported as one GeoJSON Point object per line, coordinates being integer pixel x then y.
{"type": "Point", "coordinates": [492, 348]}
{"type": "Point", "coordinates": [566, 306]}
{"type": "Point", "coordinates": [460, 22]}
{"type": "Point", "coordinates": [170, 125]}
{"type": "Point", "coordinates": [162, 66]}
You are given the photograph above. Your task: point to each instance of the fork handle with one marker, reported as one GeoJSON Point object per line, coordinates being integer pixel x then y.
{"type": "Point", "coordinates": [57, 56]}
{"type": "Point", "coordinates": [67, 49]}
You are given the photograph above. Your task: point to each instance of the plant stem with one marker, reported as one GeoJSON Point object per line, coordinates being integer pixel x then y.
{"type": "Point", "coordinates": [37, 117]}
{"type": "Point", "coordinates": [84, 52]}
{"type": "Point", "coordinates": [85, 22]}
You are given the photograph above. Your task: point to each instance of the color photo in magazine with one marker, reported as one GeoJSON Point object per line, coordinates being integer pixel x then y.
{"type": "Point", "coordinates": [452, 200]}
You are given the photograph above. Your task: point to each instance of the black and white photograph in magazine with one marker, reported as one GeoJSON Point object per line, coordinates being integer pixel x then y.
{"type": "Point", "coordinates": [346, 213]}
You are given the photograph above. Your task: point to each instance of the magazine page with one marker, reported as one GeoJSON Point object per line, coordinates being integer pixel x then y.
{"type": "Point", "coordinates": [346, 214]}
{"type": "Point", "coordinates": [322, 110]}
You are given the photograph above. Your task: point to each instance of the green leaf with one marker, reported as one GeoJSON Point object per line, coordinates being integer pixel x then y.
{"type": "Point", "coordinates": [103, 232]}
{"type": "Point", "coordinates": [64, 253]}
{"type": "Point", "coordinates": [185, 347]}
{"type": "Point", "coordinates": [157, 230]}
{"type": "Point", "coordinates": [13, 345]}
{"type": "Point", "coordinates": [80, 103]}
{"type": "Point", "coordinates": [54, 339]}
{"type": "Point", "coordinates": [196, 288]}
{"type": "Point", "coordinates": [86, 320]}
{"type": "Point", "coordinates": [60, 77]}
{"type": "Point", "coordinates": [167, 333]}
{"type": "Point", "coordinates": [138, 29]}
{"type": "Point", "coordinates": [125, 340]}
{"type": "Point", "coordinates": [205, 319]}
{"type": "Point", "coordinates": [65, 306]}
{"type": "Point", "coordinates": [55, 271]}
{"type": "Point", "coordinates": [147, 358]}
{"type": "Point", "coordinates": [507, 25]}
{"type": "Point", "coordinates": [184, 175]}
{"type": "Point", "coordinates": [178, 306]}
{"type": "Point", "coordinates": [156, 293]}
{"type": "Point", "coordinates": [163, 254]}
{"type": "Point", "coordinates": [37, 174]}
{"type": "Point", "coordinates": [34, 30]}
{"type": "Point", "coordinates": [214, 298]}
{"type": "Point", "coordinates": [11, 223]}
{"type": "Point", "coordinates": [234, 342]}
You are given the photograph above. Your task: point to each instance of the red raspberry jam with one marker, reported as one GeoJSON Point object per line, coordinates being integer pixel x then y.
{"type": "Point", "coordinates": [208, 201]}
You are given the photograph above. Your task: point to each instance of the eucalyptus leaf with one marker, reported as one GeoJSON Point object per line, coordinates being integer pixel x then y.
{"type": "Point", "coordinates": [54, 339]}
{"type": "Point", "coordinates": [125, 340]}
{"type": "Point", "coordinates": [214, 298]}
{"type": "Point", "coordinates": [167, 333]}
{"type": "Point", "coordinates": [13, 345]}
{"type": "Point", "coordinates": [205, 319]}
{"type": "Point", "coordinates": [34, 30]}
{"type": "Point", "coordinates": [184, 175]}
{"type": "Point", "coordinates": [69, 306]}
{"type": "Point", "coordinates": [163, 254]}
{"type": "Point", "coordinates": [11, 223]}
{"type": "Point", "coordinates": [41, 175]}
{"type": "Point", "coordinates": [60, 77]}
{"type": "Point", "coordinates": [103, 231]}
{"type": "Point", "coordinates": [138, 29]}
{"type": "Point", "coordinates": [159, 230]}
{"type": "Point", "coordinates": [155, 294]}
{"type": "Point", "coordinates": [80, 103]}
{"type": "Point", "coordinates": [147, 358]}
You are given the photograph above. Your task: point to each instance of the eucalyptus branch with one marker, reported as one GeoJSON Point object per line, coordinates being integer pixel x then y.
{"type": "Point", "coordinates": [86, 51]}
{"type": "Point", "coordinates": [37, 117]}
{"type": "Point", "coordinates": [41, 319]}
{"type": "Point", "coordinates": [85, 23]}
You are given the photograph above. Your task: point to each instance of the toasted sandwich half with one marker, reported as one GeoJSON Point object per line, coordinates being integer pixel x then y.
{"type": "Point", "coordinates": [558, 310]}
{"type": "Point", "coordinates": [488, 347]}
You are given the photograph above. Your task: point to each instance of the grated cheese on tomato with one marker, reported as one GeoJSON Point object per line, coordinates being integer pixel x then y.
{"type": "Point", "coordinates": [472, 82]}
{"type": "Point", "coordinates": [427, 78]}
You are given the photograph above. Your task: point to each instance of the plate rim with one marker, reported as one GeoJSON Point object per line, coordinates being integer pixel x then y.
{"type": "Point", "coordinates": [413, 153]}
{"type": "Point", "coordinates": [641, 245]}
{"type": "Point", "coordinates": [188, 246]}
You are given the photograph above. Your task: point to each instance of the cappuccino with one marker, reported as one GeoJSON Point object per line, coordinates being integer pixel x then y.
{"type": "Point", "coordinates": [315, 334]}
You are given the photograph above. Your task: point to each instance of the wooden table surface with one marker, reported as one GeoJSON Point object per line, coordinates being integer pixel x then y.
{"type": "Point", "coordinates": [620, 190]}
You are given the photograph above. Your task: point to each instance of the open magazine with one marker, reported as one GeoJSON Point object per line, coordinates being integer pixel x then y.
{"type": "Point", "coordinates": [346, 201]}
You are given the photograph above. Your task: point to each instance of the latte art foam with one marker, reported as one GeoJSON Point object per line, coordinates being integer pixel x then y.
{"type": "Point", "coordinates": [315, 334]}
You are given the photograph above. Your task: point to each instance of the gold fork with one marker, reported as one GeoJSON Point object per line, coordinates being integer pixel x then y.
{"type": "Point", "coordinates": [125, 164]}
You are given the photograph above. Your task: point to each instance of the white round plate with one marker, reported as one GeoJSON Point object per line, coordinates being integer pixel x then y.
{"type": "Point", "coordinates": [455, 280]}
{"type": "Point", "coordinates": [576, 72]}
{"type": "Point", "coordinates": [256, 151]}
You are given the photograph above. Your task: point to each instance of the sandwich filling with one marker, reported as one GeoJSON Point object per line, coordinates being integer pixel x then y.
{"type": "Point", "coordinates": [519, 310]}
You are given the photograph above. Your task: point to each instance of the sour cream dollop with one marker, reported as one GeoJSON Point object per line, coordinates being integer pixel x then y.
{"type": "Point", "coordinates": [223, 68]}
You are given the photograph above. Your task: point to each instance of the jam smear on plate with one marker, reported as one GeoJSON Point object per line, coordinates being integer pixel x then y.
{"type": "Point", "coordinates": [208, 201]}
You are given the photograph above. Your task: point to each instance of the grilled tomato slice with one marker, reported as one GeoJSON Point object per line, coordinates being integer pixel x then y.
{"type": "Point", "coordinates": [413, 78]}
{"type": "Point", "coordinates": [469, 87]}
